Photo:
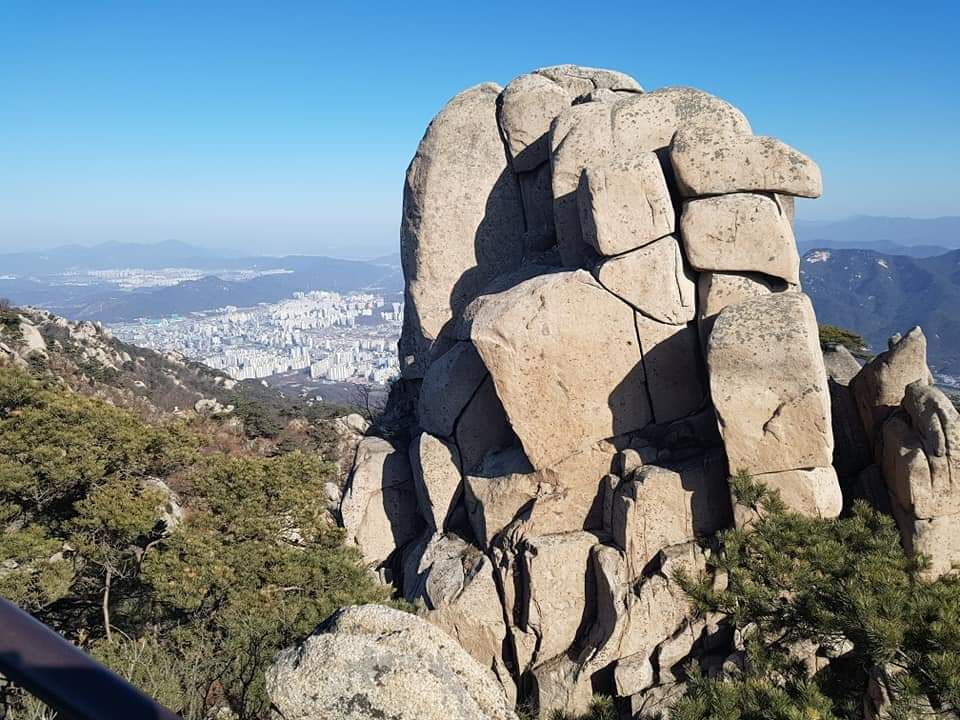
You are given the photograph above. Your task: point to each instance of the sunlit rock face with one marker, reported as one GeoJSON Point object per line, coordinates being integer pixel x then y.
{"type": "Point", "coordinates": [604, 323]}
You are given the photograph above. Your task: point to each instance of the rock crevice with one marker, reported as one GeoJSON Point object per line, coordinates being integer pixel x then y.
{"type": "Point", "coordinates": [603, 322]}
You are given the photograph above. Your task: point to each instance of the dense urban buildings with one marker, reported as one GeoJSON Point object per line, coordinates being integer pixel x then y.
{"type": "Point", "coordinates": [337, 337]}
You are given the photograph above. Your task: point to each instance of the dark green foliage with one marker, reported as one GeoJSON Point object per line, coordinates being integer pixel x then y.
{"type": "Point", "coordinates": [258, 421]}
{"type": "Point", "coordinates": [9, 324]}
{"type": "Point", "coordinates": [602, 707]}
{"type": "Point", "coordinates": [833, 335]}
{"type": "Point", "coordinates": [794, 582]}
{"type": "Point", "coordinates": [193, 613]}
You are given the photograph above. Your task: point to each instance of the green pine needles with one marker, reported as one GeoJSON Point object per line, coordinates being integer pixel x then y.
{"type": "Point", "coordinates": [826, 611]}
{"type": "Point", "coordinates": [194, 613]}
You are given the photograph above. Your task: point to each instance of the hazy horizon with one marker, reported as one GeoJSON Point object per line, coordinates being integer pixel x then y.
{"type": "Point", "coordinates": [233, 125]}
{"type": "Point", "coordinates": [390, 246]}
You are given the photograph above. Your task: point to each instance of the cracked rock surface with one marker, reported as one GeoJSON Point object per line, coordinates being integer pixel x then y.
{"type": "Point", "coordinates": [603, 322]}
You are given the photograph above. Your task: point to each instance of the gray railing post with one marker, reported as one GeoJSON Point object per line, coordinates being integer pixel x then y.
{"type": "Point", "coordinates": [64, 677]}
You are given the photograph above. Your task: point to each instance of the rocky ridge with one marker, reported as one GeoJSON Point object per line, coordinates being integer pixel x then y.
{"type": "Point", "coordinates": [604, 321]}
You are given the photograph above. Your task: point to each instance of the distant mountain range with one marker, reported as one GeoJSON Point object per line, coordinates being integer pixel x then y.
{"type": "Point", "coordinates": [35, 279]}
{"type": "Point", "coordinates": [879, 294]}
{"type": "Point", "coordinates": [878, 276]}
{"type": "Point", "coordinates": [105, 256]}
{"type": "Point", "coordinates": [901, 236]}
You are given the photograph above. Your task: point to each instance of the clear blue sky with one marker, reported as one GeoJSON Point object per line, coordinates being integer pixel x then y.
{"type": "Point", "coordinates": [287, 126]}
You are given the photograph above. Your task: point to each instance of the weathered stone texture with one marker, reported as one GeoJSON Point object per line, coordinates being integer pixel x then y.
{"type": "Point", "coordinates": [769, 385]}
{"type": "Point", "coordinates": [436, 478]}
{"type": "Point", "coordinates": [373, 661]}
{"type": "Point", "coordinates": [741, 233]}
{"type": "Point", "coordinates": [707, 162]}
{"type": "Point", "coordinates": [448, 385]}
{"type": "Point", "coordinates": [579, 137]}
{"type": "Point", "coordinates": [880, 386]}
{"type": "Point", "coordinates": [536, 339]}
{"type": "Point", "coordinates": [462, 219]}
{"type": "Point", "coordinates": [379, 506]}
{"type": "Point", "coordinates": [654, 280]}
{"type": "Point", "coordinates": [584, 372]}
{"type": "Point", "coordinates": [648, 122]}
{"type": "Point", "coordinates": [624, 205]}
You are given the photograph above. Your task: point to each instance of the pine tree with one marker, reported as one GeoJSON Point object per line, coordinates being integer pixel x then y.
{"type": "Point", "coordinates": [845, 584]}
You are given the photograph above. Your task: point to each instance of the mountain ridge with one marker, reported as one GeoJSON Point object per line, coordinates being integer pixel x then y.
{"type": "Point", "coordinates": [880, 294]}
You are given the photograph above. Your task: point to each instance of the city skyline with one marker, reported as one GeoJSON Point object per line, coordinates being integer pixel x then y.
{"type": "Point", "coordinates": [336, 337]}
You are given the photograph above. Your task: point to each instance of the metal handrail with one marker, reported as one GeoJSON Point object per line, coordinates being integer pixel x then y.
{"type": "Point", "coordinates": [64, 677]}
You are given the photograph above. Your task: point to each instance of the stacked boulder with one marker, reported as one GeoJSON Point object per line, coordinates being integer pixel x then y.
{"type": "Point", "coordinates": [913, 431]}
{"type": "Point", "coordinates": [603, 321]}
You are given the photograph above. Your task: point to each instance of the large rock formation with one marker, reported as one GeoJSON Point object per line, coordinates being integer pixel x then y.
{"type": "Point", "coordinates": [604, 320]}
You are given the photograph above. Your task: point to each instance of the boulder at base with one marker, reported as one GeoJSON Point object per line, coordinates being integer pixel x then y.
{"type": "Point", "coordinates": [371, 661]}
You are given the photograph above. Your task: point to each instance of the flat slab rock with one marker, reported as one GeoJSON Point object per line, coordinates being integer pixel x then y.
{"type": "Point", "coordinates": [707, 162]}
{"type": "Point", "coordinates": [741, 232]}
{"type": "Point", "coordinates": [372, 661]}
{"type": "Point", "coordinates": [654, 280]}
{"type": "Point", "coordinates": [625, 204]}
{"type": "Point", "coordinates": [539, 340]}
{"type": "Point", "coordinates": [769, 386]}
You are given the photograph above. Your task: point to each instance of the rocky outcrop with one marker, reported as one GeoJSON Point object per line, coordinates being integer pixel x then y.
{"type": "Point", "coordinates": [921, 466]}
{"type": "Point", "coordinates": [879, 388]}
{"type": "Point", "coordinates": [740, 232]}
{"type": "Point", "coordinates": [624, 206]}
{"type": "Point", "coordinates": [769, 386]}
{"type": "Point", "coordinates": [436, 478]}
{"type": "Point", "coordinates": [534, 340]}
{"type": "Point", "coordinates": [654, 280]}
{"type": "Point", "coordinates": [851, 452]}
{"type": "Point", "coordinates": [708, 162]}
{"type": "Point", "coordinates": [594, 134]}
{"type": "Point", "coordinates": [379, 506]}
{"type": "Point", "coordinates": [448, 386]}
{"type": "Point", "coordinates": [603, 320]}
{"type": "Point", "coordinates": [913, 432]}
{"type": "Point", "coordinates": [717, 290]}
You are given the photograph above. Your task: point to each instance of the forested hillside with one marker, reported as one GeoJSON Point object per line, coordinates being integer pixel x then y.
{"type": "Point", "coordinates": [183, 548]}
